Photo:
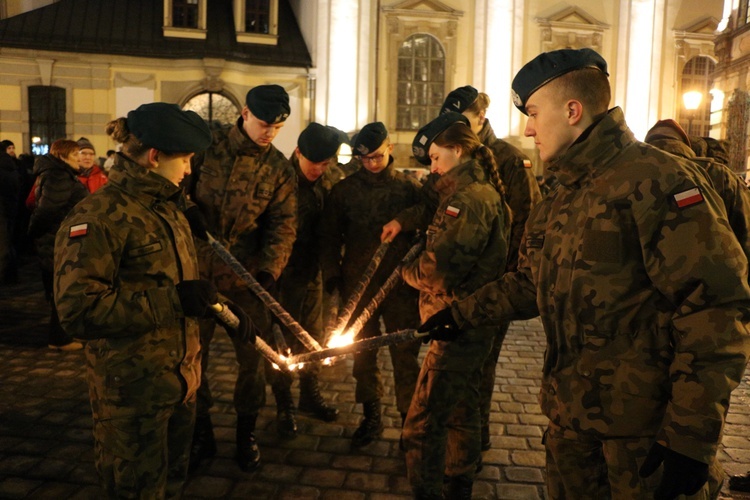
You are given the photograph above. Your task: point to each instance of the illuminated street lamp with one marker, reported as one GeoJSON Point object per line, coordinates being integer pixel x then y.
{"type": "Point", "coordinates": [692, 100]}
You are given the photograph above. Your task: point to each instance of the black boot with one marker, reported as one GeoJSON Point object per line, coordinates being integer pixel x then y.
{"type": "Point", "coordinates": [740, 482]}
{"type": "Point", "coordinates": [286, 422]}
{"type": "Point", "coordinates": [310, 400]}
{"type": "Point", "coordinates": [248, 454]}
{"type": "Point", "coordinates": [459, 488]}
{"type": "Point", "coordinates": [370, 427]}
{"type": "Point", "coordinates": [204, 443]}
{"type": "Point", "coordinates": [486, 443]}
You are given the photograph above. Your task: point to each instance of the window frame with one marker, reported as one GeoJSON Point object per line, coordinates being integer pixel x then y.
{"type": "Point", "coordinates": [55, 124]}
{"type": "Point", "coordinates": [430, 83]}
{"type": "Point", "coordinates": [197, 33]}
{"type": "Point", "coordinates": [244, 36]}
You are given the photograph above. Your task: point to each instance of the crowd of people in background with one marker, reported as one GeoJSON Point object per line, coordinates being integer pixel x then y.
{"type": "Point", "coordinates": [500, 244]}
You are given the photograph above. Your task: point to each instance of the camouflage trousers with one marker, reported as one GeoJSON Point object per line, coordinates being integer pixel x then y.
{"type": "Point", "coordinates": [487, 384]}
{"type": "Point", "coordinates": [441, 432]}
{"type": "Point", "coordinates": [250, 388]}
{"type": "Point", "coordinates": [587, 468]}
{"type": "Point", "coordinates": [398, 311]}
{"type": "Point", "coordinates": [144, 454]}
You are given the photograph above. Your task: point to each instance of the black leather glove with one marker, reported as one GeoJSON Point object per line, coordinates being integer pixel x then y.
{"type": "Point", "coordinates": [441, 326]}
{"type": "Point", "coordinates": [245, 331]}
{"type": "Point", "coordinates": [197, 221]}
{"type": "Point", "coordinates": [333, 284]}
{"type": "Point", "coordinates": [682, 474]}
{"type": "Point", "coordinates": [197, 297]}
{"type": "Point", "coordinates": [267, 281]}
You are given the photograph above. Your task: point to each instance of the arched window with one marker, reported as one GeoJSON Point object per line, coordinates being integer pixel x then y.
{"type": "Point", "coordinates": [421, 81]}
{"type": "Point", "coordinates": [696, 76]}
{"type": "Point", "coordinates": [213, 107]}
{"type": "Point", "coordinates": [46, 117]}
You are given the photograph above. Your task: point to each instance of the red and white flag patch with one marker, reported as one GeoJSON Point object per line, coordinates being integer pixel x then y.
{"type": "Point", "coordinates": [527, 164]}
{"type": "Point", "coordinates": [78, 230]}
{"type": "Point", "coordinates": [689, 197]}
{"type": "Point", "coordinates": [452, 211]}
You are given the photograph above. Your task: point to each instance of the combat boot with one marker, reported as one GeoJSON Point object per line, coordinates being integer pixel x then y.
{"type": "Point", "coordinates": [311, 401]}
{"type": "Point", "coordinates": [371, 427]}
{"type": "Point", "coordinates": [459, 488]}
{"type": "Point", "coordinates": [248, 454]}
{"type": "Point", "coordinates": [286, 422]}
{"type": "Point", "coordinates": [204, 443]}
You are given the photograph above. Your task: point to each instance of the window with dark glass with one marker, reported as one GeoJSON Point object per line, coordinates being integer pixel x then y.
{"type": "Point", "coordinates": [185, 13]}
{"type": "Point", "coordinates": [421, 81]}
{"type": "Point", "coordinates": [696, 76]}
{"type": "Point", "coordinates": [213, 107]}
{"type": "Point", "coordinates": [257, 16]}
{"type": "Point", "coordinates": [46, 117]}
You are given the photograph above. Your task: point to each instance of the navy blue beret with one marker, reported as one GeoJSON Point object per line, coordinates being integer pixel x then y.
{"type": "Point", "coordinates": [318, 143]}
{"type": "Point", "coordinates": [459, 99]}
{"type": "Point", "coordinates": [269, 103]}
{"type": "Point", "coordinates": [369, 139]}
{"type": "Point", "coordinates": [168, 128]}
{"type": "Point", "coordinates": [550, 65]}
{"type": "Point", "coordinates": [420, 147]}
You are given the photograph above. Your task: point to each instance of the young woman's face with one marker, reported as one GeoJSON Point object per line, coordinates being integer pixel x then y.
{"type": "Point", "coordinates": [443, 159]}
{"type": "Point", "coordinates": [173, 168]}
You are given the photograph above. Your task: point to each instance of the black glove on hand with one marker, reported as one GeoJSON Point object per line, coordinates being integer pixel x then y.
{"type": "Point", "coordinates": [197, 221]}
{"type": "Point", "coordinates": [333, 284]}
{"type": "Point", "coordinates": [441, 326]}
{"type": "Point", "coordinates": [682, 474]}
{"type": "Point", "coordinates": [245, 331]}
{"type": "Point", "coordinates": [267, 281]}
{"type": "Point", "coordinates": [197, 297]}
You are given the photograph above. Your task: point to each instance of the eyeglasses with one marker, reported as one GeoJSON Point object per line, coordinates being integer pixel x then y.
{"type": "Point", "coordinates": [372, 159]}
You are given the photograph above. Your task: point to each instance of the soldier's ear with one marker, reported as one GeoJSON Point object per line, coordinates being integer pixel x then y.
{"type": "Point", "coordinates": [574, 110]}
{"type": "Point", "coordinates": [153, 158]}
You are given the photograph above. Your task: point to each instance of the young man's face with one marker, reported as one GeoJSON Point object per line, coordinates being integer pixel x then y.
{"type": "Point", "coordinates": [11, 150]}
{"type": "Point", "coordinates": [260, 132]}
{"type": "Point", "coordinates": [548, 123]}
{"type": "Point", "coordinates": [310, 169]}
{"type": "Point", "coordinates": [376, 161]}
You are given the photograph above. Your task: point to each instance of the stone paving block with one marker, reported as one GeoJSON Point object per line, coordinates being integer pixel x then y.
{"type": "Point", "coordinates": [524, 430]}
{"type": "Point", "coordinates": [518, 492]}
{"type": "Point", "coordinates": [367, 482]}
{"type": "Point", "coordinates": [323, 478]}
{"type": "Point", "coordinates": [209, 487]}
{"type": "Point", "coordinates": [528, 458]}
{"type": "Point", "coordinates": [496, 457]}
{"type": "Point", "coordinates": [308, 458]}
{"type": "Point", "coordinates": [353, 462]}
{"type": "Point", "coordinates": [280, 473]}
{"type": "Point", "coordinates": [254, 489]}
{"type": "Point", "coordinates": [343, 495]}
{"type": "Point", "coordinates": [509, 443]}
{"type": "Point", "coordinates": [524, 475]}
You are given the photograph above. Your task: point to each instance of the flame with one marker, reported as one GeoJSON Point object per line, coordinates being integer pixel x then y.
{"type": "Point", "coordinates": [339, 339]}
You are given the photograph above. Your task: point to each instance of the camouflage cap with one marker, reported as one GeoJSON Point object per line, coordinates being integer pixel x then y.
{"type": "Point", "coordinates": [459, 99]}
{"type": "Point", "coordinates": [420, 147]}
{"type": "Point", "coordinates": [550, 65]}
{"type": "Point", "coordinates": [168, 128]}
{"type": "Point", "coordinates": [318, 143]}
{"type": "Point", "coordinates": [667, 128]}
{"type": "Point", "coordinates": [369, 139]}
{"type": "Point", "coordinates": [269, 103]}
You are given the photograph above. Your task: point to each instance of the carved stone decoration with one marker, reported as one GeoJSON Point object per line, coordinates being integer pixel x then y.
{"type": "Point", "coordinates": [571, 27]}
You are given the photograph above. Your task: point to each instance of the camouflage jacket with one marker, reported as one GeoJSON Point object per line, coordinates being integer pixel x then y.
{"type": "Point", "coordinates": [464, 240]}
{"type": "Point", "coordinates": [642, 291]}
{"type": "Point", "coordinates": [118, 256]}
{"type": "Point", "coordinates": [304, 262]}
{"type": "Point", "coordinates": [521, 188]}
{"type": "Point", "coordinates": [56, 192]}
{"type": "Point", "coordinates": [248, 195]}
{"type": "Point", "coordinates": [353, 219]}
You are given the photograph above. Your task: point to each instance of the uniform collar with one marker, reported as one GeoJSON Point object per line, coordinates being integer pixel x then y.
{"type": "Point", "coordinates": [136, 179]}
{"type": "Point", "coordinates": [460, 176]}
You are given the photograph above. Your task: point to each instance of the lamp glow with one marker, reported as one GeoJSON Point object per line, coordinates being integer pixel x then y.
{"type": "Point", "coordinates": [692, 99]}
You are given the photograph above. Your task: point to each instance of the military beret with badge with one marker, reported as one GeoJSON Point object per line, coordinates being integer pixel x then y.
{"type": "Point", "coordinates": [550, 65]}
{"type": "Point", "coordinates": [168, 128]}
{"type": "Point", "coordinates": [318, 142]}
{"type": "Point", "coordinates": [460, 99]}
{"type": "Point", "coordinates": [369, 139]}
{"type": "Point", "coordinates": [269, 103]}
{"type": "Point", "coordinates": [420, 147]}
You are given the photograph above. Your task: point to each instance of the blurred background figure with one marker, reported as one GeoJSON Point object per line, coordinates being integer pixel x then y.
{"type": "Point", "coordinates": [91, 174]}
{"type": "Point", "coordinates": [10, 185]}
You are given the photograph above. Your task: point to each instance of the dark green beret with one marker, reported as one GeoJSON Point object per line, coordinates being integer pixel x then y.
{"type": "Point", "coordinates": [420, 147]}
{"type": "Point", "coordinates": [343, 136]}
{"type": "Point", "coordinates": [269, 103]}
{"type": "Point", "coordinates": [168, 128]}
{"type": "Point", "coordinates": [459, 99]}
{"type": "Point", "coordinates": [550, 65]}
{"type": "Point", "coordinates": [318, 143]}
{"type": "Point", "coordinates": [369, 139]}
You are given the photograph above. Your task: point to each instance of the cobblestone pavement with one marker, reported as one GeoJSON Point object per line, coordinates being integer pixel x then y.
{"type": "Point", "coordinates": [46, 448]}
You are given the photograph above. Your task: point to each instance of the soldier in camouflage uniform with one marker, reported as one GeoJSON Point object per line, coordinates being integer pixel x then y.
{"type": "Point", "coordinates": [246, 190]}
{"type": "Point", "coordinates": [356, 210]}
{"type": "Point", "coordinates": [642, 290]}
{"type": "Point", "coordinates": [300, 285]}
{"type": "Point", "coordinates": [466, 246]}
{"type": "Point", "coordinates": [127, 282]}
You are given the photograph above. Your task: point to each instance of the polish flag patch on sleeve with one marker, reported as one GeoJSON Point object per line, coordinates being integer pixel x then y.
{"type": "Point", "coordinates": [78, 230]}
{"type": "Point", "coordinates": [452, 211]}
{"type": "Point", "coordinates": [688, 198]}
{"type": "Point", "coordinates": [527, 164]}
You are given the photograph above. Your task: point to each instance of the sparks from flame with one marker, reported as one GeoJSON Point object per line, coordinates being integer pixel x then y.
{"type": "Point", "coordinates": [339, 339]}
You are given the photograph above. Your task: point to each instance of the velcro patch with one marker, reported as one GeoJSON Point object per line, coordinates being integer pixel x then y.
{"type": "Point", "coordinates": [452, 211]}
{"type": "Point", "coordinates": [78, 230]}
{"type": "Point", "coordinates": [688, 198]}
